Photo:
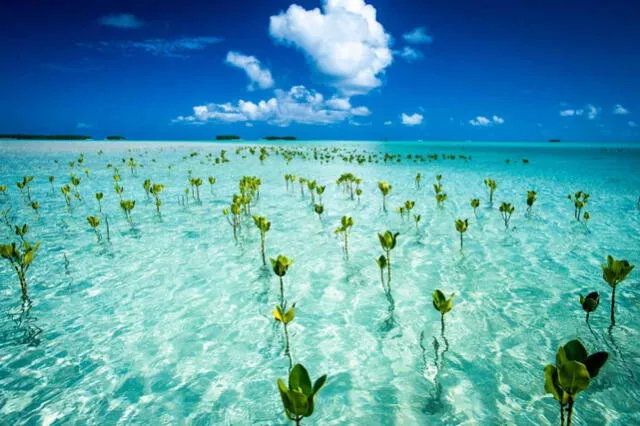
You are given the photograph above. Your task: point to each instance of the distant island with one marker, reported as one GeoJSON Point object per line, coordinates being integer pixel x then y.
{"type": "Point", "coordinates": [280, 138]}
{"type": "Point", "coordinates": [115, 138]}
{"type": "Point", "coordinates": [554, 140]}
{"type": "Point", "coordinates": [227, 137]}
{"type": "Point", "coordinates": [21, 136]}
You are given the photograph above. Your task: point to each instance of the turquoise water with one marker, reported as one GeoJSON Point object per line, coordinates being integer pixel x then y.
{"type": "Point", "coordinates": [171, 322]}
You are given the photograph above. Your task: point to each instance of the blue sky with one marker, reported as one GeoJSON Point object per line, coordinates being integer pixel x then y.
{"type": "Point", "coordinates": [336, 69]}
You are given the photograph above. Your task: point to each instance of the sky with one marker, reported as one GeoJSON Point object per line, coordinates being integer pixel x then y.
{"type": "Point", "coordinates": [323, 69]}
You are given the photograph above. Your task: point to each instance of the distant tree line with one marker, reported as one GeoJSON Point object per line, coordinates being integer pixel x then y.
{"type": "Point", "coordinates": [280, 138]}
{"type": "Point", "coordinates": [115, 138]}
{"type": "Point", "coordinates": [227, 137]}
{"type": "Point", "coordinates": [44, 137]}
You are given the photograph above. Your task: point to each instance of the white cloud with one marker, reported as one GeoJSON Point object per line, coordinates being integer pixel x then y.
{"type": "Point", "coordinates": [339, 103]}
{"type": "Point", "coordinates": [344, 41]}
{"type": "Point", "coordinates": [412, 120]}
{"type": "Point", "coordinates": [258, 75]}
{"type": "Point", "coordinates": [81, 125]}
{"type": "Point", "coordinates": [592, 112]}
{"type": "Point", "coordinates": [409, 54]}
{"type": "Point", "coordinates": [176, 48]}
{"type": "Point", "coordinates": [298, 105]}
{"type": "Point", "coordinates": [121, 20]}
{"type": "Point", "coordinates": [589, 110]}
{"type": "Point", "coordinates": [633, 124]}
{"type": "Point", "coordinates": [571, 112]}
{"type": "Point", "coordinates": [485, 122]}
{"type": "Point", "coordinates": [248, 124]}
{"type": "Point", "coordinates": [388, 123]}
{"type": "Point", "coordinates": [418, 36]}
{"type": "Point", "coordinates": [620, 110]}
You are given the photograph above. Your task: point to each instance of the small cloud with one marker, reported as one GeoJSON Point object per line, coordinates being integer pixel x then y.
{"type": "Point", "coordinates": [418, 36]}
{"type": "Point", "coordinates": [248, 124]}
{"type": "Point", "coordinates": [592, 112]}
{"type": "Point", "coordinates": [173, 48]}
{"type": "Point", "coordinates": [81, 125]}
{"type": "Point", "coordinates": [259, 75]}
{"type": "Point", "coordinates": [412, 120]}
{"type": "Point", "coordinates": [481, 121]}
{"type": "Point", "coordinates": [121, 20]}
{"type": "Point", "coordinates": [571, 112]}
{"type": "Point", "coordinates": [361, 111]}
{"type": "Point", "coordinates": [409, 54]}
{"type": "Point", "coordinates": [632, 124]}
{"type": "Point", "coordinates": [388, 123]}
{"type": "Point", "coordinates": [620, 110]}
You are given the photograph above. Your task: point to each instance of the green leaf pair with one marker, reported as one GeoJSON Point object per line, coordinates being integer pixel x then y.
{"type": "Point", "coordinates": [298, 398]}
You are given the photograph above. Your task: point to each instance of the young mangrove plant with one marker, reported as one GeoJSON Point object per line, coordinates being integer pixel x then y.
{"type": "Point", "coordinates": [212, 181]}
{"type": "Point", "coordinates": [320, 191]}
{"type": "Point", "coordinates": [475, 203]}
{"type": "Point", "coordinates": [418, 179]}
{"type": "Point", "coordinates": [20, 256]}
{"type": "Point", "coordinates": [99, 197]}
{"type": "Point", "coordinates": [235, 220]}
{"type": "Point", "coordinates": [26, 180]}
{"type": "Point", "coordinates": [385, 189]}
{"type": "Point", "coordinates": [572, 373]}
{"type": "Point", "coordinates": [299, 398]}
{"type": "Point", "coordinates": [155, 191]}
{"type": "Point", "coordinates": [532, 196]}
{"type": "Point", "coordinates": [311, 185]}
{"type": "Point", "coordinates": [127, 206]}
{"type": "Point", "coordinates": [492, 186]}
{"type": "Point", "coordinates": [461, 227]}
{"type": "Point", "coordinates": [440, 196]}
{"type": "Point", "coordinates": [51, 179]}
{"type": "Point", "coordinates": [119, 190]}
{"type": "Point", "coordinates": [147, 187]}
{"type": "Point", "coordinates": [280, 267]}
{"type": "Point", "coordinates": [590, 303]}
{"type": "Point", "coordinates": [506, 210]}
{"type": "Point", "coordinates": [285, 316]}
{"type": "Point", "coordinates": [416, 219]}
{"type": "Point", "coordinates": [345, 228]}
{"type": "Point", "coordinates": [388, 242]}
{"type": "Point", "coordinates": [75, 181]}
{"type": "Point", "coordinates": [195, 188]}
{"type": "Point", "coordinates": [442, 305]}
{"type": "Point", "coordinates": [382, 264]}
{"type": "Point", "coordinates": [580, 200]}
{"type": "Point", "coordinates": [3, 190]}
{"type": "Point", "coordinates": [94, 222]}
{"type": "Point", "coordinates": [66, 192]}
{"type": "Point", "coordinates": [35, 206]}
{"type": "Point", "coordinates": [358, 194]}
{"type": "Point", "coordinates": [263, 225]}
{"type": "Point", "coordinates": [319, 209]}
{"type": "Point", "coordinates": [613, 273]}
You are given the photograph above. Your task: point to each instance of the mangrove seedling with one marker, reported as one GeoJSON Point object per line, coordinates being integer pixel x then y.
{"type": "Point", "coordinates": [263, 225]}
{"type": "Point", "coordinates": [147, 187]}
{"type": "Point", "coordinates": [418, 180]}
{"type": "Point", "coordinates": [155, 190]}
{"type": "Point", "coordinates": [285, 316]}
{"type": "Point", "coordinates": [280, 267]}
{"type": "Point", "coordinates": [212, 182]}
{"type": "Point", "coordinates": [299, 398]}
{"type": "Point", "coordinates": [127, 206]}
{"type": "Point", "coordinates": [319, 209]}
{"type": "Point", "coordinates": [195, 183]}
{"type": "Point", "coordinates": [613, 273]}
{"type": "Point", "coordinates": [35, 206]}
{"type": "Point", "coordinates": [416, 219]}
{"type": "Point", "coordinates": [119, 189]}
{"type": "Point", "coordinates": [20, 256]}
{"type": "Point", "coordinates": [532, 196]}
{"type": "Point", "coordinates": [441, 198]}
{"type": "Point", "coordinates": [345, 228]}
{"type": "Point", "coordinates": [590, 303]}
{"type": "Point", "coordinates": [388, 242]}
{"type": "Point", "coordinates": [51, 179]}
{"type": "Point", "coordinates": [580, 200]}
{"type": "Point", "coordinates": [311, 185]}
{"type": "Point", "coordinates": [385, 189]}
{"type": "Point", "coordinates": [75, 181]}
{"type": "Point", "coordinates": [475, 203]}
{"type": "Point", "coordinates": [442, 305]}
{"type": "Point", "coordinates": [382, 264]}
{"type": "Point", "coordinates": [66, 192]}
{"type": "Point", "coordinates": [99, 197]}
{"type": "Point", "coordinates": [461, 227]}
{"type": "Point", "coordinates": [94, 222]}
{"type": "Point", "coordinates": [234, 221]}
{"type": "Point", "coordinates": [320, 191]}
{"type": "Point", "coordinates": [491, 185]}
{"type": "Point", "coordinates": [506, 210]}
{"type": "Point", "coordinates": [3, 189]}
{"type": "Point", "coordinates": [572, 373]}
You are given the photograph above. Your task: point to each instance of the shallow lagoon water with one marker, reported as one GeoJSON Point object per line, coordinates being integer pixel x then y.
{"type": "Point", "coordinates": [171, 322]}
